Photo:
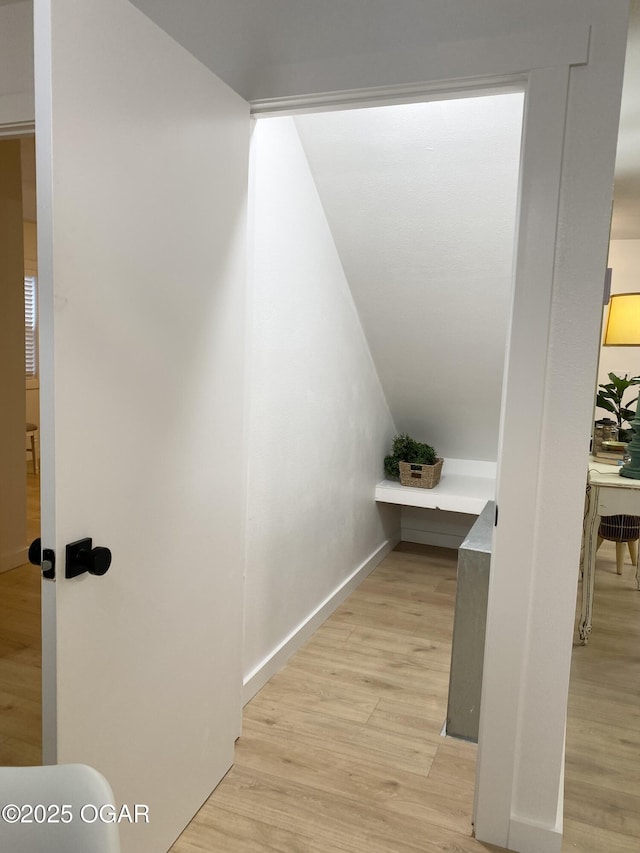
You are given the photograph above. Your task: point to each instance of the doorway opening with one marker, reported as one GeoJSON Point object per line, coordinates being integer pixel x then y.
{"type": "Point", "coordinates": [381, 277]}
{"type": "Point", "coordinates": [20, 637]}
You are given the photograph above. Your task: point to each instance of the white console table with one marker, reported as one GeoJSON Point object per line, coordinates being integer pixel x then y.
{"type": "Point", "coordinates": [465, 486]}
{"type": "Point", "coordinates": [607, 494]}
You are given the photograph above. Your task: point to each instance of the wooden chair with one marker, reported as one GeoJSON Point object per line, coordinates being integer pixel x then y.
{"type": "Point", "coordinates": [31, 435]}
{"type": "Point", "coordinates": [623, 530]}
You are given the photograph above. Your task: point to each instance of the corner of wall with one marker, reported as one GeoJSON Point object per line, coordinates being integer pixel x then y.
{"type": "Point", "coordinates": [276, 659]}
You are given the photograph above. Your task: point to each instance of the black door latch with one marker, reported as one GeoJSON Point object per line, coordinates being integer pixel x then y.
{"type": "Point", "coordinates": [81, 557]}
{"type": "Point", "coordinates": [45, 559]}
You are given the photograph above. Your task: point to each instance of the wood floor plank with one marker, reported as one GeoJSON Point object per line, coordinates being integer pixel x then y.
{"type": "Point", "coordinates": [296, 688]}
{"type": "Point", "coordinates": [602, 788]}
{"type": "Point", "coordinates": [455, 764]}
{"type": "Point", "coordinates": [215, 828]}
{"type": "Point", "coordinates": [400, 670]}
{"type": "Point", "coordinates": [15, 752]}
{"type": "Point", "coordinates": [419, 651]}
{"type": "Point", "coordinates": [615, 811]}
{"type": "Point", "coordinates": [417, 719]}
{"type": "Point", "coordinates": [391, 751]}
{"type": "Point", "coordinates": [356, 826]}
{"type": "Point", "coordinates": [589, 838]}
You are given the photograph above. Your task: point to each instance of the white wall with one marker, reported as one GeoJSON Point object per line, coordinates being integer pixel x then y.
{"type": "Point", "coordinates": [319, 423]}
{"type": "Point", "coordinates": [421, 201]}
{"type": "Point", "coordinates": [285, 47]}
{"type": "Point", "coordinates": [624, 260]}
{"type": "Point", "coordinates": [275, 48]}
{"type": "Point", "coordinates": [16, 63]}
{"type": "Point", "coordinates": [435, 527]}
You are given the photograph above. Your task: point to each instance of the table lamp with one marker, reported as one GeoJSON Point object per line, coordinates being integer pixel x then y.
{"type": "Point", "coordinates": [623, 330]}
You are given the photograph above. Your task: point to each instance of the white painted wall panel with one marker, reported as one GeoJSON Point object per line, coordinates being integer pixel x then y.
{"type": "Point", "coordinates": [435, 527]}
{"type": "Point", "coordinates": [319, 422]}
{"type": "Point", "coordinates": [421, 201]}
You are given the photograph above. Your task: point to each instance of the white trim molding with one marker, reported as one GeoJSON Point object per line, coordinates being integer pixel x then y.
{"type": "Point", "coordinates": [528, 837]}
{"type": "Point", "coordinates": [457, 70]}
{"type": "Point", "coordinates": [382, 96]}
{"type": "Point", "coordinates": [569, 139]}
{"type": "Point", "coordinates": [276, 659]}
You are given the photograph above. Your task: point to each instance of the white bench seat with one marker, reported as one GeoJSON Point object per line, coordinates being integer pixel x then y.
{"type": "Point", "coordinates": [465, 486]}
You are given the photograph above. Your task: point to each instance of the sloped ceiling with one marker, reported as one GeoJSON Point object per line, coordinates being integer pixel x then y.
{"type": "Point", "coordinates": [421, 202]}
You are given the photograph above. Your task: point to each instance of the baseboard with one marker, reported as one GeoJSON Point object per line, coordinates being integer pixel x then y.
{"type": "Point", "coordinates": [529, 837]}
{"type": "Point", "coordinates": [13, 559]}
{"type": "Point", "coordinates": [432, 537]}
{"type": "Point", "coordinates": [274, 662]}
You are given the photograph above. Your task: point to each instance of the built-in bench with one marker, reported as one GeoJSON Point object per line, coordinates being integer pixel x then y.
{"type": "Point", "coordinates": [465, 486]}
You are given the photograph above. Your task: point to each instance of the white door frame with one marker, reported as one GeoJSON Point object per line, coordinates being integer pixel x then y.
{"type": "Point", "coordinates": [570, 127]}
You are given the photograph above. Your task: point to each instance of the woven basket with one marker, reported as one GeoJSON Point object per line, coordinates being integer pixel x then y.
{"type": "Point", "coordinates": [422, 476]}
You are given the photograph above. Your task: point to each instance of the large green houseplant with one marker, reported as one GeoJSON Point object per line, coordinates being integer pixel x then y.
{"type": "Point", "coordinates": [610, 398]}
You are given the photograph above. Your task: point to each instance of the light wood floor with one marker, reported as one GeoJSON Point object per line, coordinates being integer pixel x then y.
{"type": "Point", "coordinates": [602, 768]}
{"type": "Point", "coordinates": [341, 751]}
{"type": "Point", "coordinates": [20, 652]}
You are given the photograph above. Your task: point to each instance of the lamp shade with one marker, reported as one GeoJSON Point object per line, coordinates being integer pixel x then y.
{"type": "Point", "coordinates": [623, 323]}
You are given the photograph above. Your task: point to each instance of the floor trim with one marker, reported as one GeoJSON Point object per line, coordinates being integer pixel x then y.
{"type": "Point", "coordinates": [259, 676]}
{"type": "Point", "coordinates": [529, 837]}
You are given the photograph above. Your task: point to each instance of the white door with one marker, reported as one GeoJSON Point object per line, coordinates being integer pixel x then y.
{"type": "Point", "coordinates": [142, 174]}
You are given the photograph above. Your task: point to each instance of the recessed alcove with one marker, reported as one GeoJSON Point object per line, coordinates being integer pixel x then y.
{"type": "Point", "coordinates": [381, 276]}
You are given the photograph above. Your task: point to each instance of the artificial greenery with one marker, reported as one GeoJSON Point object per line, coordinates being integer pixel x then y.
{"type": "Point", "coordinates": [610, 399]}
{"type": "Point", "coordinates": [406, 449]}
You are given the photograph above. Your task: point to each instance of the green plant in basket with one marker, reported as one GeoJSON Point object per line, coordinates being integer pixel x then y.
{"type": "Point", "coordinates": [407, 449]}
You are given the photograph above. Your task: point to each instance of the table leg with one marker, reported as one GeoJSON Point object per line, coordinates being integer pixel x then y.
{"type": "Point", "coordinates": [591, 525]}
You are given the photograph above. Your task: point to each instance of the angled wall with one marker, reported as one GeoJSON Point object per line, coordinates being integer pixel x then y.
{"type": "Point", "coordinates": [421, 200]}
{"type": "Point", "coordinates": [319, 425]}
